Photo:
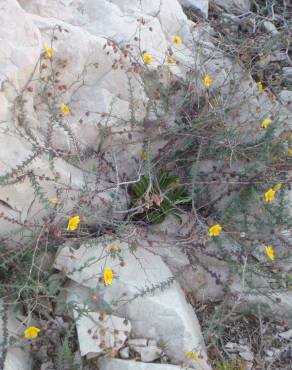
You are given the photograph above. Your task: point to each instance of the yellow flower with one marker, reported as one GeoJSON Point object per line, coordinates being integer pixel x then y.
{"type": "Point", "coordinates": [215, 230]}
{"type": "Point", "coordinates": [147, 58]}
{"type": "Point", "coordinates": [260, 87]}
{"type": "Point", "coordinates": [266, 123]}
{"type": "Point", "coordinates": [207, 81]}
{"type": "Point", "coordinates": [73, 223]}
{"type": "Point", "coordinates": [177, 40]}
{"type": "Point", "coordinates": [31, 332]}
{"type": "Point", "coordinates": [170, 60]}
{"type": "Point", "coordinates": [54, 200]}
{"type": "Point", "coordinates": [192, 356]}
{"type": "Point", "coordinates": [48, 52]}
{"type": "Point", "coordinates": [290, 151]}
{"type": "Point", "coordinates": [270, 252]}
{"type": "Point", "coordinates": [277, 187]}
{"type": "Point", "coordinates": [65, 109]}
{"type": "Point", "coordinates": [270, 195]}
{"type": "Point", "coordinates": [108, 276]}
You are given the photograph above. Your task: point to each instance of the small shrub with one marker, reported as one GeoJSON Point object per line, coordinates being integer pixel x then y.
{"type": "Point", "coordinates": [158, 197]}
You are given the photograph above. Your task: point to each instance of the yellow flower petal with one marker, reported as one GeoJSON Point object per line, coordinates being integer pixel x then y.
{"type": "Point", "coordinates": [266, 123]}
{"type": "Point", "coordinates": [31, 332]}
{"type": "Point", "coordinates": [270, 195]}
{"type": "Point", "coordinates": [192, 356]}
{"type": "Point", "coordinates": [207, 81]}
{"type": "Point", "coordinates": [270, 252]}
{"type": "Point", "coordinates": [215, 230]}
{"type": "Point", "coordinates": [147, 58]}
{"type": "Point", "coordinates": [260, 87]}
{"type": "Point", "coordinates": [177, 40]}
{"type": "Point", "coordinates": [54, 200]}
{"type": "Point", "coordinates": [108, 276]}
{"type": "Point", "coordinates": [65, 109]}
{"type": "Point", "coordinates": [48, 52]}
{"type": "Point", "coordinates": [170, 60]}
{"type": "Point", "coordinates": [73, 223]}
{"type": "Point", "coordinates": [277, 187]}
{"type": "Point", "coordinates": [290, 152]}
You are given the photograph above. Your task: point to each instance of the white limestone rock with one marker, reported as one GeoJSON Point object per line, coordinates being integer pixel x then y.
{"type": "Point", "coordinates": [94, 86]}
{"type": "Point", "coordinates": [23, 48]}
{"type": "Point", "coordinates": [64, 182]}
{"type": "Point", "coordinates": [158, 314]}
{"type": "Point", "coordinates": [147, 349]}
{"type": "Point", "coordinates": [98, 332]}
{"type": "Point", "coordinates": [149, 353]}
{"type": "Point", "coordinates": [124, 353]}
{"type": "Point", "coordinates": [116, 364]}
{"type": "Point", "coordinates": [137, 342]}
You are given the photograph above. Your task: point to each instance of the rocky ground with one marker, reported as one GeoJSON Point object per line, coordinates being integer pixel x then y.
{"type": "Point", "coordinates": [110, 263]}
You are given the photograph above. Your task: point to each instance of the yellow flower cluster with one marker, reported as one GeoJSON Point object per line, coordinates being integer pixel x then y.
{"type": "Point", "coordinates": [108, 276]}
{"type": "Point", "coordinates": [266, 123]}
{"type": "Point", "coordinates": [270, 252]}
{"type": "Point", "coordinates": [48, 52]}
{"type": "Point", "coordinates": [207, 81]}
{"type": "Point", "coordinates": [31, 332]}
{"type": "Point", "coordinates": [177, 40]}
{"type": "Point", "coordinates": [147, 58]}
{"type": "Point", "coordinates": [215, 230]}
{"type": "Point", "coordinates": [271, 193]}
{"type": "Point", "coordinates": [260, 87]}
{"type": "Point", "coordinates": [64, 109]}
{"type": "Point", "coordinates": [54, 200]}
{"type": "Point", "coordinates": [73, 223]}
{"type": "Point", "coordinates": [170, 60]}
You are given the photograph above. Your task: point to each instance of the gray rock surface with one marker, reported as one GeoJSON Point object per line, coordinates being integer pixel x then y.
{"type": "Point", "coordinates": [286, 98]}
{"type": "Point", "coordinates": [234, 6]}
{"type": "Point", "coordinates": [201, 5]}
{"type": "Point", "coordinates": [287, 72]}
{"type": "Point", "coordinates": [270, 27]}
{"type": "Point", "coordinates": [15, 357]}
